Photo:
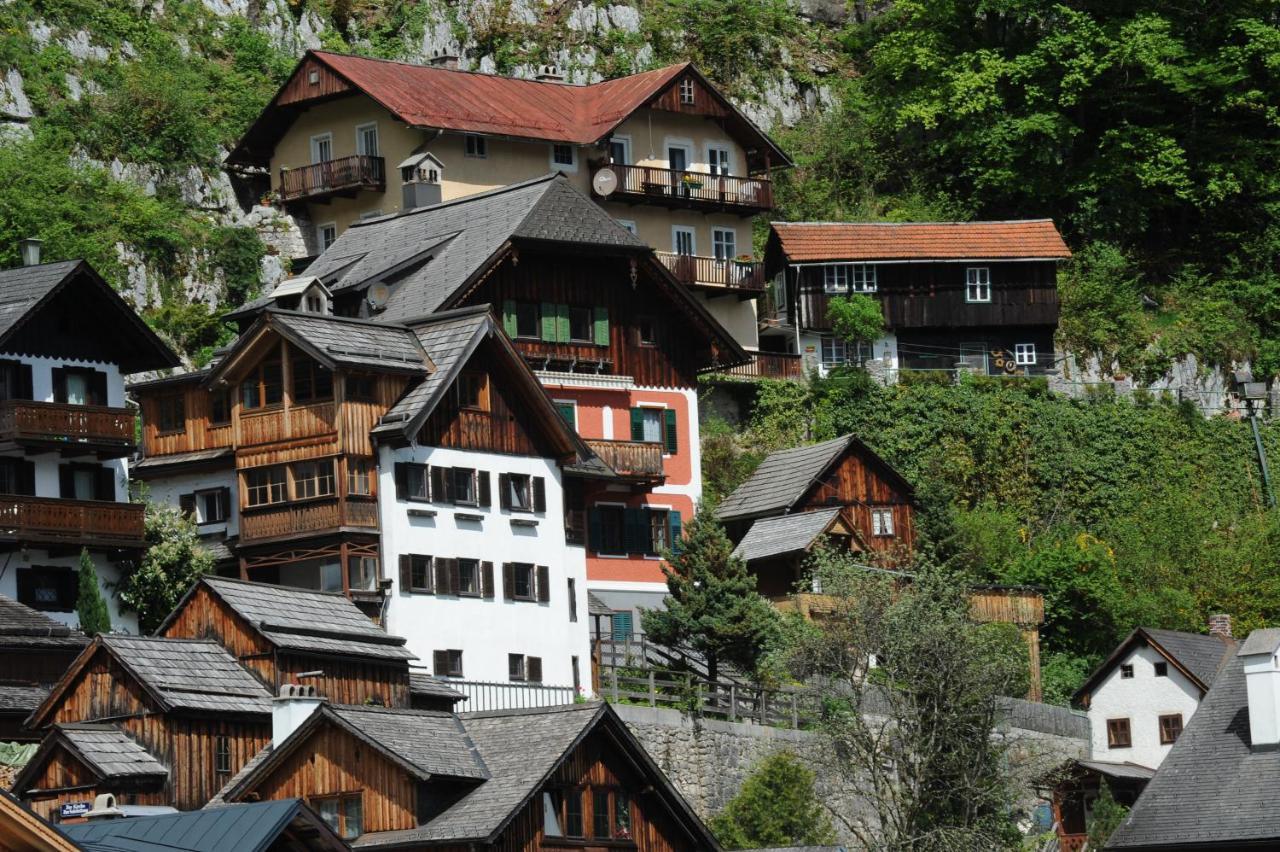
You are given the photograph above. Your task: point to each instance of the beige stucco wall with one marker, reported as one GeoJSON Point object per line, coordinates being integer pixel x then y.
{"type": "Point", "coordinates": [737, 316]}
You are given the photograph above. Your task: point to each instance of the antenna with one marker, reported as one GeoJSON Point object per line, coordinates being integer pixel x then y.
{"type": "Point", "coordinates": [604, 182]}
{"type": "Point", "coordinates": [378, 295]}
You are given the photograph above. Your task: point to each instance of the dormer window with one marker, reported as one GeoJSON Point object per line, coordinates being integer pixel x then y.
{"type": "Point", "coordinates": [686, 91]}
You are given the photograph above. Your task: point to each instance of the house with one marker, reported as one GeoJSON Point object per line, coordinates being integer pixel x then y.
{"type": "Point", "coordinates": [349, 138]}
{"type": "Point", "coordinates": [1139, 702]}
{"type": "Point", "coordinates": [973, 296]}
{"type": "Point", "coordinates": [1214, 788]}
{"type": "Point", "coordinates": [66, 341]}
{"type": "Point", "coordinates": [34, 652]}
{"type": "Point", "coordinates": [22, 831]}
{"type": "Point", "coordinates": [536, 778]}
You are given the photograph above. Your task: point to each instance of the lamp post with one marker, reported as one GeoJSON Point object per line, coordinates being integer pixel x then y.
{"type": "Point", "coordinates": [1253, 394]}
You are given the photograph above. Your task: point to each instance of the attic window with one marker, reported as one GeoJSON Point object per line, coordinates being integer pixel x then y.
{"type": "Point", "coordinates": [476, 146]}
{"type": "Point", "coordinates": [1126, 671]}
{"type": "Point", "coordinates": [313, 76]}
{"type": "Point", "coordinates": [686, 91]}
{"type": "Point", "coordinates": [1162, 669]}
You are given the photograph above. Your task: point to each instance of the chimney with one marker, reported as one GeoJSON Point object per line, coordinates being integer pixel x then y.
{"type": "Point", "coordinates": [550, 74]}
{"type": "Point", "coordinates": [293, 706]}
{"type": "Point", "coordinates": [104, 807]}
{"type": "Point", "coordinates": [1220, 625]}
{"type": "Point", "coordinates": [444, 59]}
{"type": "Point", "coordinates": [421, 175]}
{"type": "Point", "coordinates": [1260, 656]}
{"type": "Point", "coordinates": [30, 251]}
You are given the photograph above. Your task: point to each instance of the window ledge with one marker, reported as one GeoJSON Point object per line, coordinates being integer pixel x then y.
{"type": "Point", "coordinates": [524, 522]}
{"type": "Point", "coordinates": [468, 516]}
{"type": "Point", "coordinates": [422, 513]}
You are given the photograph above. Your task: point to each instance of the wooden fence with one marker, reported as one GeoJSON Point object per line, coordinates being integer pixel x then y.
{"type": "Point", "coordinates": [727, 700]}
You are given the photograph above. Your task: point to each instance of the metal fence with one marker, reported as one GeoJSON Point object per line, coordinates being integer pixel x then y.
{"type": "Point", "coordinates": [486, 695]}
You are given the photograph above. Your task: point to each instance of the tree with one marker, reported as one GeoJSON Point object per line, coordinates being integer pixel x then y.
{"type": "Point", "coordinates": [857, 318]}
{"type": "Point", "coordinates": [713, 608]}
{"type": "Point", "coordinates": [90, 607]}
{"type": "Point", "coordinates": [911, 694]}
{"type": "Point", "coordinates": [1105, 818]}
{"type": "Point", "coordinates": [171, 562]}
{"type": "Point", "coordinates": [776, 807]}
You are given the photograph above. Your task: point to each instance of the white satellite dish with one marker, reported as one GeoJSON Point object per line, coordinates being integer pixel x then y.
{"type": "Point", "coordinates": [378, 295]}
{"type": "Point", "coordinates": [604, 182]}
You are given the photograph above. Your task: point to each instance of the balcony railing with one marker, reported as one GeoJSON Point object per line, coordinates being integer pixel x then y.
{"type": "Point", "coordinates": [93, 426]}
{"type": "Point", "coordinates": [50, 520]}
{"type": "Point", "coordinates": [331, 177]}
{"type": "Point", "coordinates": [486, 695]}
{"type": "Point", "coordinates": [677, 188]}
{"type": "Point", "coordinates": [769, 365]}
{"type": "Point", "coordinates": [284, 520]}
{"type": "Point", "coordinates": [698, 271]}
{"type": "Point", "coordinates": [632, 459]}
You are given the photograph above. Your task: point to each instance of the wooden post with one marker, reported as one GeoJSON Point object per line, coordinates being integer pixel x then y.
{"type": "Point", "coordinates": [698, 694]}
{"type": "Point", "coordinates": [653, 691]}
{"type": "Point", "coordinates": [733, 702]}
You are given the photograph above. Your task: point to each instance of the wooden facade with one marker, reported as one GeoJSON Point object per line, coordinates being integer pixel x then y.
{"type": "Point", "coordinates": [861, 483]}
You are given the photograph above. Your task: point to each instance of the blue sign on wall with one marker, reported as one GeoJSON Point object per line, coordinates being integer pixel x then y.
{"type": "Point", "coordinates": [71, 810]}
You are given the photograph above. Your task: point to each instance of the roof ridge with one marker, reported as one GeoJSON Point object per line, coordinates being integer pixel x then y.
{"type": "Point", "coordinates": [112, 637]}
{"type": "Point", "coordinates": [833, 223]}
{"type": "Point", "coordinates": [289, 589]}
{"type": "Point", "coordinates": [271, 309]}
{"type": "Point", "coordinates": [426, 320]}
{"type": "Point", "coordinates": [561, 83]}
{"type": "Point", "coordinates": [398, 711]}
{"type": "Point", "coordinates": [532, 711]}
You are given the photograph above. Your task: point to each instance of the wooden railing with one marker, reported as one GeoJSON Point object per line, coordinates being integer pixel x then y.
{"type": "Point", "coordinates": [1007, 605]}
{"type": "Point", "coordinates": [286, 519]}
{"type": "Point", "coordinates": [677, 188]}
{"type": "Point", "coordinates": [696, 270]}
{"type": "Point", "coordinates": [630, 458]}
{"type": "Point", "coordinates": [769, 365]}
{"type": "Point", "coordinates": [27, 420]}
{"type": "Point", "coordinates": [47, 519]}
{"type": "Point", "coordinates": [332, 176]}
{"type": "Point", "coordinates": [728, 700]}
{"type": "Point", "coordinates": [268, 426]}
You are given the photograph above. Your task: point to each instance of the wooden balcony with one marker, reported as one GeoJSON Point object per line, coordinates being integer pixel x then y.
{"type": "Point", "coordinates": [743, 278]}
{"type": "Point", "coordinates": [73, 429]}
{"type": "Point", "coordinates": [266, 426]}
{"type": "Point", "coordinates": [695, 190]}
{"type": "Point", "coordinates": [76, 523]}
{"type": "Point", "coordinates": [637, 460]}
{"type": "Point", "coordinates": [343, 176]}
{"type": "Point", "coordinates": [311, 517]}
{"type": "Point", "coordinates": [769, 365]}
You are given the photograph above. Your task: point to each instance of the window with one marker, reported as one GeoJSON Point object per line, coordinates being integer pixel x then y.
{"type": "Point", "coordinates": [412, 481]}
{"type": "Point", "coordinates": [344, 814]}
{"type": "Point", "coordinates": [518, 491]}
{"type": "Point", "coordinates": [610, 815]}
{"type": "Point", "coordinates": [682, 241]}
{"type": "Point", "coordinates": [620, 150]}
{"type": "Point", "coordinates": [864, 278]}
{"type": "Point", "coordinates": [677, 157]}
{"type": "Point", "coordinates": [360, 477]}
{"type": "Point", "coordinates": [1126, 671]}
{"type": "Point", "coordinates": [213, 507]}
{"type": "Point", "coordinates": [834, 352]}
{"type": "Point", "coordinates": [472, 391]}
{"type": "Point", "coordinates": [219, 407]}
{"type": "Point", "coordinates": [362, 573]}
{"type": "Point", "coordinates": [362, 388]}
{"type": "Point", "coordinates": [568, 411]}
{"type": "Point", "coordinates": [527, 319]}
{"type": "Point", "coordinates": [1170, 728]}
{"type": "Point", "coordinates": [367, 140]}
{"type": "Point", "coordinates": [311, 381]}
{"type": "Point", "coordinates": [222, 754]}
{"type": "Point", "coordinates": [650, 420]}
{"type": "Point", "coordinates": [17, 476]}
{"type": "Point", "coordinates": [171, 413]}
{"type": "Point", "coordinates": [563, 155]}
{"type": "Point", "coordinates": [522, 668]}
{"type": "Point", "coordinates": [264, 486]}
{"type": "Point", "coordinates": [882, 522]}
{"type": "Point", "coordinates": [1162, 669]}
{"type": "Point", "coordinates": [658, 530]}
{"type": "Point", "coordinates": [322, 148]}
{"type": "Point", "coordinates": [977, 287]}
{"type": "Point", "coordinates": [469, 585]}
{"type": "Point", "coordinates": [315, 304]}
{"type": "Point", "coordinates": [48, 588]}
{"type": "Point", "coordinates": [447, 663]}
{"type": "Point", "coordinates": [621, 622]}
{"type": "Point", "coordinates": [628, 225]}
{"type": "Point", "coordinates": [522, 581]}
{"type": "Point", "coordinates": [463, 482]}
{"type": "Point", "coordinates": [86, 482]}
{"type": "Point", "coordinates": [610, 541]}
{"type": "Point", "coordinates": [313, 479]}
{"type": "Point", "coordinates": [415, 573]}
{"type": "Point", "coordinates": [600, 814]}
{"type": "Point", "coordinates": [326, 235]}
{"type": "Point", "coordinates": [718, 160]}
{"type": "Point", "coordinates": [476, 146]}
{"type": "Point", "coordinates": [1024, 354]}
{"type": "Point", "coordinates": [573, 600]}
{"type": "Point", "coordinates": [835, 278]}
{"type": "Point", "coordinates": [552, 806]}
{"type": "Point", "coordinates": [581, 326]}
{"type": "Point", "coordinates": [15, 380]}
{"type": "Point", "coordinates": [1118, 733]}
{"type": "Point", "coordinates": [76, 386]}
{"type": "Point", "coordinates": [263, 386]}
{"type": "Point", "coordinates": [573, 826]}
{"type": "Point", "coordinates": [647, 331]}
{"type": "Point", "coordinates": [686, 91]}
{"type": "Point", "coordinates": [724, 243]}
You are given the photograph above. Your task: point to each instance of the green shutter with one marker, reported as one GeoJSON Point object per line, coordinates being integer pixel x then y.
{"type": "Point", "coordinates": [568, 413]}
{"type": "Point", "coordinates": [595, 530]}
{"type": "Point", "coordinates": [622, 625]}
{"type": "Point", "coordinates": [549, 322]}
{"type": "Point", "coordinates": [672, 438]}
{"type": "Point", "coordinates": [673, 519]}
{"type": "Point", "coordinates": [562, 323]}
{"type": "Point", "coordinates": [509, 317]}
{"type": "Point", "coordinates": [637, 424]}
{"type": "Point", "coordinates": [636, 530]}
{"type": "Point", "coordinates": [602, 326]}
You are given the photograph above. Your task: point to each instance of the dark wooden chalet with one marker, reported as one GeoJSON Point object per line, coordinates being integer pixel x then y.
{"type": "Point", "coordinates": [978, 296]}
{"type": "Point", "coordinates": [35, 651]}
{"type": "Point", "coordinates": [555, 777]}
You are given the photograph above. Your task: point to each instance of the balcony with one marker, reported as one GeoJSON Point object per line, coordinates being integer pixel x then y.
{"type": "Point", "coordinates": [744, 278]}
{"type": "Point", "coordinates": [73, 429]}
{"type": "Point", "coordinates": [311, 517]}
{"type": "Point", "coordinates": [694, 190]}
{"type": "Point", "coordinates": [343, 176]}
{"type": "Point", "coordinates": [87, 523]}
{"type": "Point", "coordinates": [637, 460]}
{"type": "Point", "coordinates": [769, 365]}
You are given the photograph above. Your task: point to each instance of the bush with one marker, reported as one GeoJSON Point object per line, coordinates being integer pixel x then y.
{"type": "Point", "coordinates": [776, 807]}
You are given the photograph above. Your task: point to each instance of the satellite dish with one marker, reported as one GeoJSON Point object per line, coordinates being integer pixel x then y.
{"type": "Point", "coordinates": [604, 182]}
{"type": "Point", "coordinates": [378, 295]}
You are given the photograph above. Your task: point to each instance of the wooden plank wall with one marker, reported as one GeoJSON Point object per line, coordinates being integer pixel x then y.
{"type": "Point", "coordinates": [102, 689]}
{"type": "Point", "coordinates": [206, 616]}
{"type": "Point", "coordinates": [858, 484]}
{"type": "Point", "coordinates": [704, 103]}
{"type": "Point", "coordinates": [198, 433]}
{"type": "Point", "coordinates": [193, 776]}
{"type": "Point", "coordinates": [300, 88]}
{"type": "Point", "coordinates": [351, 681]}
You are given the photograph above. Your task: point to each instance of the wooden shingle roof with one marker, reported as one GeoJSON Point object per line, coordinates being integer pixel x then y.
{"type": "Point", "coordinates": [808, 242]}
{"type": "Point", "coordinates": [24, 627]}
{"type": "Point", "coordinates": [785, 534]}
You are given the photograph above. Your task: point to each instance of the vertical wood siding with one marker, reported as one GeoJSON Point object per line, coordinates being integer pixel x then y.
{"type": "Point", "coordinates": [206, 616]}
{"type": "Point", "coordinates": [300, 88]}
{"type": "Point", "coordinates": [859, 484]}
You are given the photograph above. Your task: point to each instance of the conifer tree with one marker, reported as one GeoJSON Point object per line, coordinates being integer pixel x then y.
{"type": "Point", "coordinates": [776, 807]}
{"type": "Point", "coordinates": [92, 609]}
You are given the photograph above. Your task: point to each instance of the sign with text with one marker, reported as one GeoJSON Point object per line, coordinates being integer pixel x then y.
{"type": "Point", "coordinates": [71, 810]}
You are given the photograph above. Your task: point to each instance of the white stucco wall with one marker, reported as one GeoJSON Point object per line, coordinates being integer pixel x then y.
{"type": "Point", "coordinates": [108, 574]}
{"type": "Point", "coordinates": [1142, 699]}
{"type": "Point", "coordinates": [486, 630]}
{"type": "Point", "coordinates": [169, 489]}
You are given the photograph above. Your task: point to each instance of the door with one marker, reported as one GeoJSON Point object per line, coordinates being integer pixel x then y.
{"type": "Point", "coordinates": [677, 158]}
{"type": "Point", "coordinates": [322, 148]}
{"type": "Point", "coordinates": [367, 140]}
{"type": "Point", "coordinates": [718, 158]}
{"type": "Point", "coordinates": [682, 241]}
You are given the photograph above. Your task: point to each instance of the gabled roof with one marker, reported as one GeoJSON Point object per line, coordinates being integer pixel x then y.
{"type": "Point", "coordinates": [24, 290]}
{"type": "Point", "coordinates": [786, 534]}
{"type": "Point", "coordinates": [441, 98]}
{"type": "Point", "coordinates": [105, 750]}
{"type": "Point", "coordinates": [23, 627]}
{"type": "Point", "coordinates": [784, 477]}
{"type": "Point", "coordinates": [196, 675]}
{"type": "Point", "coordinates": [803, 242]}
{"type": "Point", "coordinates": [1196, 655]}
{"type": "Point", "coordinates": [22, 828]}
{"type": "Point", "coordinates": [421, 683]}
{"type": "Point", "coordinates": [301, 620]}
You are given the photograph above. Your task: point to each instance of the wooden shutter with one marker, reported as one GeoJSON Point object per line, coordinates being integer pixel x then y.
{"type": "Point", "coordinates": [672, 433]}
{"type": "Point", "coordinates": [66, 482]}
{"type": "Point", "coordinates": [562, 323]}
{"type": "Point", "coordinates": [573, 599]}
{"type": "Point", "coordinates": [544, 584]}
{"type": "Point", "coordinates": [539, 494]}
{"type": "Point", "coordinates": [187, 504]}
{"type": "Point", "coordinates": [444, 576]}
{"type": "Point", "coordinates": [59, 384]}
{"type": "Point", "coordinates": [402, 481]}
{"type": "Point", "coordinates": [509, 317]}
{"type": "Point", "coordinates": [224, 502]}
{"type": "Point", "coordinates": [98, 388]}
{"type": "Point", "coordinates": [595, 529]}
{"type": "Point", "coordinates": [635, 531]}
{"type": "Point", "coordinates": [549, 323]}
{"type": "Point", "coordinates": [533, 669]}
{"type": "Point", "coordinates": [406, 573]}
{"type": "Point", "coordinates": [508, 581]}
{"type": "Point", "coordinates": [637, 424]}
{"type": "Point", "coordinates": [440, 483]}
{"type": "Point", "coordinates": [24, 389]}
{"type": "Point", "coordinates": [482, 488]}
{"type": "Point", "coordinates": [455, 577]}
{"type": "Point", "coordinates": [504, 490]}
{"type": "Point", "coordinates": [601, 326]}
{"type": "Point", "coordinates": [104, 487]}
{"type": "Point", "coordinates": [27, 477]}
{"type": "Point", "coordinates": [675, 542]}
{"type": "Point", "coordinates": [440, 663]}
{"type": "Point", "coordinates": [486, 580]}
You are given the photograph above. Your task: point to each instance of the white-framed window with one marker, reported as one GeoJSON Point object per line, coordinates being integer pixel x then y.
{"type": "Point", "coordinates": [724, 243]}
{"type": "Point", "coordinates": [882, 522]}
{"type": "Point", "coordinates": [687, 92]}
{"type": "Point", "coordinates": [683, 240]}
{"type": "Point", "coordinates": [213, 506]}
{"type": "Point", "coordinates": [864, 278]}
{"type": "Point", "coordinates": [476, 146]}
{"type": "Point", "coordinates": [718, 158]}
{"type": "Point", "coordinates": [834, 351]}
{"type": "Point", "coordinates": [322, 148]}
{"type": "Point", "coordinates": [628, 224]}
{"type": "Point", "coordinates": [977, 284]}
{"type": "Point", "coordinates": [564, 158]}
{"type": "Point", "coordinates": [835, 278]}
{"type": "Point", "coordinates": [367, 139]}
{"type": "Point", "coordinates": [1024, 354]}
{"type": "Point", "coordinates": [651, 420]}
{"type": "Point", "coordinates": [620, 150]}
{"type": "Point", "coordinates": [326, 234]}
{"type": "Point", "coordinates": [678, 156]}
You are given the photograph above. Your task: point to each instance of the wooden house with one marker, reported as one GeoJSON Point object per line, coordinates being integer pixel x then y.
{"type": "Point", "coordinates": [956, 296]}
{"type": "Point", "coordinates": [555, 777]}
{"type": "Point", "coordinates": [22, 831]}
{"type": "Point", "coordinates": [35, 650]}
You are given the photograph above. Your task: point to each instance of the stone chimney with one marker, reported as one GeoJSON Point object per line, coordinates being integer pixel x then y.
{"type": "Point", "coordinates": [550, 74]}
{"type": "Point", "coordinates": [444, 59]}
{"type": "Point", "coordinates": [1260, 656]}
{"type": "Point", "coordinates": [293, 706]}
{"type": "Point", "coordinates": [1220, 625]}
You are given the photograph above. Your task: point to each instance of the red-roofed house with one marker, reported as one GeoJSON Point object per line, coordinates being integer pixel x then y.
{"type": "Point", "coordinates": [348, 138]}
{"type": "Point", "coordinates": [977, 296]}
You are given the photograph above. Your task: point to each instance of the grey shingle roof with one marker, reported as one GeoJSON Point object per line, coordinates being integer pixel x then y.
{"type": "Point", "coordinates": [22, 626]}
{"type": "Point", "coordinates": [784, 534]}
{"type": "Point", "coordinates": [1263, 641]}
{"type": "Point", "coordinates": [110, 752]}
{"type": "Point", "coordinates": [1212, 787]}
{"type": "Point", "coordinates": [421, 683]}
{"type": "Point", "coordinates": [22, 287]}
{"type": "Point", "coordinates": [1118, 770]}
{"type": "Point", "coordinates": [192, 674]}
{"type": "Point", "coordinates": [780, 480]}
{"type": "Point", "coordinates": [158, 463]}
{"type": "Point", "coordinates": [428, 743]}
{"type": "Point", "coordinates": [355, 343]}
{"type": "Point", "coordinates": [21, 697]}
{"type": "Point", "coordinates": [595, 606]}
{"type": "Point", "coordinates": [1202, 654]}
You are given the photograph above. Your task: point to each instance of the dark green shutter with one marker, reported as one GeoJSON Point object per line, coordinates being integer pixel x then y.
{"type": "Point", "coordinates": [567, 411]}
{"type": "Point", "coordinates": [637, 424]}
{"type": "Point", "coordinates": [406, 573]}
{"type": "Point", "coordinates": [539, 494]}
{"type": "Point", "coordinates": [549, 314]}
{"type": "Point", "coordinates": [562, 323]}
{"type": "Point", "coordinates": [544, 584]}
{"type": "Point", "coordinates": [402, 481]}
{"type": "Point", "coordinates": [672, 435]}
{"type": "Point", "coordinates": [602, 326]}
{"type": "Point", "coordinates": [673, 518]}
{"type": "Point", "coordinates": [595, 529]}
{"type": "Point", "coordinates": [486, 579]}
{"type": "Point", "coordinates": [509, 317]}
{"type": "Point", "coordinates": [635, 531]}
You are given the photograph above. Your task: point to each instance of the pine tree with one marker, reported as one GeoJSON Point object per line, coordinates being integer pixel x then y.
{"type": "Point", "coordinates": [713, 607]}
{"type": "Point", "coordinates": [92, 609]}
{"type": "Point", "coordinates": [776, 807]}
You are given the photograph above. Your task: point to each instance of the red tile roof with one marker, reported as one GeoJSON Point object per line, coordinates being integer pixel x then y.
{"type": "Point", "coordinates": [819, 241]}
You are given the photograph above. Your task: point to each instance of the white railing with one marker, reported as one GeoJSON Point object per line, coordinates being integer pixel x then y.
{"type": "Point", "coordinates": [489, 695]}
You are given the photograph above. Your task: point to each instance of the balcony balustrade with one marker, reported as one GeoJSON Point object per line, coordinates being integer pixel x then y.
{"type": "Point", "coordinates": [108, 432]}
{"type": "Point", "coordinates": [696, 190]}
{"type": "Point", "coordinates": [343, 176]}
{"type": "Point", "coordinates": [743, 277]}
{"type": "Point", "coordinates": [48, 520]}
{"type": "Point", "coordinates": [631, 459]}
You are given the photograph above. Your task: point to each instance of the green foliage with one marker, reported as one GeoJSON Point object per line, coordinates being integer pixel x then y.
{"type": "Point", "coordinates": [726, 466]}
{"type": "Point", "coordinates": [172, 561]}
{"type": "Point", "coordinates": [1106, 817]}
{"type": "Point", "coordinates": [713, 607]}
{"type": "Point", "coordinates": [90, 607]}
{"type": "Point", "coordinates": [857, 317]}
{"type": "Point", "coordinates": [776, 807]}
